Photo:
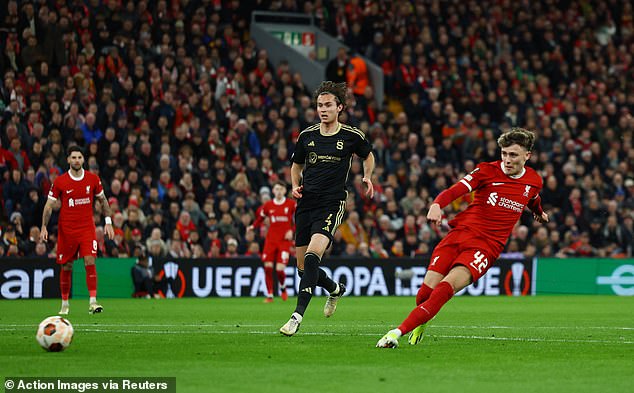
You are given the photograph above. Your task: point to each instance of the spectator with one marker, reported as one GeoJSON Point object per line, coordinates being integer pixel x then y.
{"type": "Point", "coordinates": [232, 248]}
{"type": "Point", "coordinates": [20, 155]}
{"type": "Point", "coordinates": [90, 131]}
{"type": "Point", "coordinates": [143, 276]}
{"type": "Point", "coordinates": [357, 76]}
{"type": "Point", "coordinates": [14, 191]}
{"type": "Point", "coordinates": [337, 68]}
{"type": "Point", "coordinates": [58, 74]}
{"type": "Point", "coordinates": [352, 231]}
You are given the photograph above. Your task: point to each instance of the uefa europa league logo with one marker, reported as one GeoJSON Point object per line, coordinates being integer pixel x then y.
{"type": "Point", "coordinates": [171, 271]}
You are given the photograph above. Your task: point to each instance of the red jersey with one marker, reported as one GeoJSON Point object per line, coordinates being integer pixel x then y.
{"type": "Point", "coordinates": [280, 217]}
{"type": "Point", "coordinates": [77, 196]}
{"type": "Point", "coordinates": [498, 202]}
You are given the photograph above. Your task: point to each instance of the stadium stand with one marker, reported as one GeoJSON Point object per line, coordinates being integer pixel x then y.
{"type": "Point", "coordinates": [188, 123]}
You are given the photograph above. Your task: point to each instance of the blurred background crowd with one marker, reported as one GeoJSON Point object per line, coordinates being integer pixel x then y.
{"type": "Point", "coordinates": [188, 123]}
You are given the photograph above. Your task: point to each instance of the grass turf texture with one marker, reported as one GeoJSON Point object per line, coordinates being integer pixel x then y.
{"type": "Point", "coordinates": [527, 344]}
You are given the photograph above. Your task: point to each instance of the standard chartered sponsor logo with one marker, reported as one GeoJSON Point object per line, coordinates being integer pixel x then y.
{"type": "Point", "coordinates": [504, 202]}
{"type": "Point", "coordinates": [511, 204]}
{"type": "Point", "coordinates": [493, 198]}
{"type": "Point", "coordinates": [78, 201]}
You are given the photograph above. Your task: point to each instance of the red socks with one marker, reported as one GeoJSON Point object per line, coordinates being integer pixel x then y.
{"type": "Point", "coordinates": [281, 279]}
{"type": "Point", "coordinates": [65, 277]}
{"type": "Point", "coordinates": [91, 280]}
{"type": "Point", "coordinates": [423, 294]}
{"type": "Point", "coordinates": [268, 278]}
{"type": "Point", "coordinates": [429, 308]}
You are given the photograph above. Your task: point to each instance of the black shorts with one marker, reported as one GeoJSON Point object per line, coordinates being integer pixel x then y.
{"type": "Point", "coordinates": [317, 217]}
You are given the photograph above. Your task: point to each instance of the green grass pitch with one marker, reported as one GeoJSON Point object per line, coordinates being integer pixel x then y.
{"type": "Point", "coordinates": [496, 344]}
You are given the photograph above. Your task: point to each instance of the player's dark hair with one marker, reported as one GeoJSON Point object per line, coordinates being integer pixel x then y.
{"type": "Point", "coordinates": [73, 149]}
{"type": "Point", "coordinates": [280, 183]}
{"type": "Point", "coordinates": [517, 136]}
{"type": "Point", "coordinates": [339, 90]}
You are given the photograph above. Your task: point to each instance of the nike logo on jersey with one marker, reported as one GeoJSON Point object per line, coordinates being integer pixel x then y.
{"type": "Point", "coordinates": [497, 184]}
{"type": "Point", "coordinates": [312, 144]}
{"type": "Point", "coordinates": [69, 191]}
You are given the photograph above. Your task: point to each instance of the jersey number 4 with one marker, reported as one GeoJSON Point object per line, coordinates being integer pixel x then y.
{"type": "Point", "coordinates": [479, 262]}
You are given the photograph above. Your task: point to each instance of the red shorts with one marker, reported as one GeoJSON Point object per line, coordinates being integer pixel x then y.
{"type": "Point", "coordinates": [73, 245]}
{"type": "Point", "coordinates": [277, 251]}
{"type": "Point", "coordinates": [466, 248]}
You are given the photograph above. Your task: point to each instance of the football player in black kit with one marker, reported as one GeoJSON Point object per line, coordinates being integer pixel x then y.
{"type": "Point", "coordinates": [319, 172]}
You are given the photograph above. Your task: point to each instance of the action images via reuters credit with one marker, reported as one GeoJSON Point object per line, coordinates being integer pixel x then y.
{"type": "Point", "coordinates": [83, 384]}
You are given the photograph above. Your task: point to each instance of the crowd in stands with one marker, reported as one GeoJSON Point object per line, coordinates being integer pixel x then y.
{"type": "Point", "coordinates": [188, 123]}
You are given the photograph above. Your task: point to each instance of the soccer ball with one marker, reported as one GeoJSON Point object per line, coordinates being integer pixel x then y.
{"type": "Point", "coordinates": [55, 334]}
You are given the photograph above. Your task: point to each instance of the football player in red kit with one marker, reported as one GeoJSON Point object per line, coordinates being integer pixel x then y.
{"type": "Point", "coordinates": [478, 234]}
{"type": "Point", "coordinates": [76, 191]}
{"type": "Point", "coordinates": [279, 237]}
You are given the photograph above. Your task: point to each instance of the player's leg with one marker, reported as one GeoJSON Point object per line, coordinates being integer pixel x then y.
{"type": "Point", "coordinates": [88, 250]}
{"type": "Point", "coordinates": [327, 225]}
{"type": "Point", "coordinates": [302, 238]}
{"type": "Point", "coordinates": [308, 282]}
{"type": "Point", "coordinates": [65, 280]}
{"type": "Point", "coordinates": [67, 249]}
{"type": "Point", "coordinates": [91, 283]}
{"type": "Point", "coordinates": [324, 281]}
{"type": "Point", "coordinates": [432, 279]}
{"type": "Point", "coordinates": [458, 278]}
{"type": "Point", "coordinates": [439, 265]}
{"type": "Point", "coordinates": [319, 226]}
{"type": "Point", "coordinates": [267, 258]}
{"type": "Point", "coordinates": [280, 267]}
{"type": "Point", "coordinates": [268, 278]}
{"type": "Point", "coordinates": [312, 259]}
{"type": "Point", "coordinates": [300, 253]}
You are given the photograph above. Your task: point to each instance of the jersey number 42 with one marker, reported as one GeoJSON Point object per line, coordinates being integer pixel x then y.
{"type": "Point", "coordinates": [479, 262]}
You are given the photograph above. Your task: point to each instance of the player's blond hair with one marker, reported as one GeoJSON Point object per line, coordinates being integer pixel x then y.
{"type": "Point", "coordinates": [517, 136]}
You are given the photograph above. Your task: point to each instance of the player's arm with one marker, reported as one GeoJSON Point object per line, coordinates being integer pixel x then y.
{"type": "Point", "coordinates": [296, 179]}
{"type": "Point", "coordinates": [539, 214]}
{"type": "Point", "coordinates": [444, 198]}
{"type": "Point", "coordinates": [290, 234]}
{"type": "Point", "coordinates": [46, 217]}
{"type": "Point", "coordinates": [107, 211]}
{"type": "Point", "coordinates": [368, 168]}
{"type": "Point", "coordinates": [260, 215]}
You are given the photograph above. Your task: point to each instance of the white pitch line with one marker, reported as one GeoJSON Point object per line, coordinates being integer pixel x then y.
{"type": "Point", "coordinates": [338, 325]}
{"type": "Point", "coordinates": [143, 325]}
{"type": "Point", "coordinates": [532, 327]}
{"type": "Point", "coordinates": [531, 339]}
{"type": "Point", "coordinates": [269, 332]}
{"type": "Point", "coordinates": [521, 339]}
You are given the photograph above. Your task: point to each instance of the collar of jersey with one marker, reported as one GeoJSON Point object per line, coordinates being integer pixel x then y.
{"type": "Point", "coordinates": [513, 177]}
{"type": "Point", "coordinates": [281, 203]}
{"type": "Point", "coordinates": [83, 172]}
{"type": "Point", "coordinates": [334, 133]}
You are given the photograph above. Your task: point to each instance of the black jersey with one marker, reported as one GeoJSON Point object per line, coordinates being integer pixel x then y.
{"type": "Point", "coordinates": [327, 160]}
